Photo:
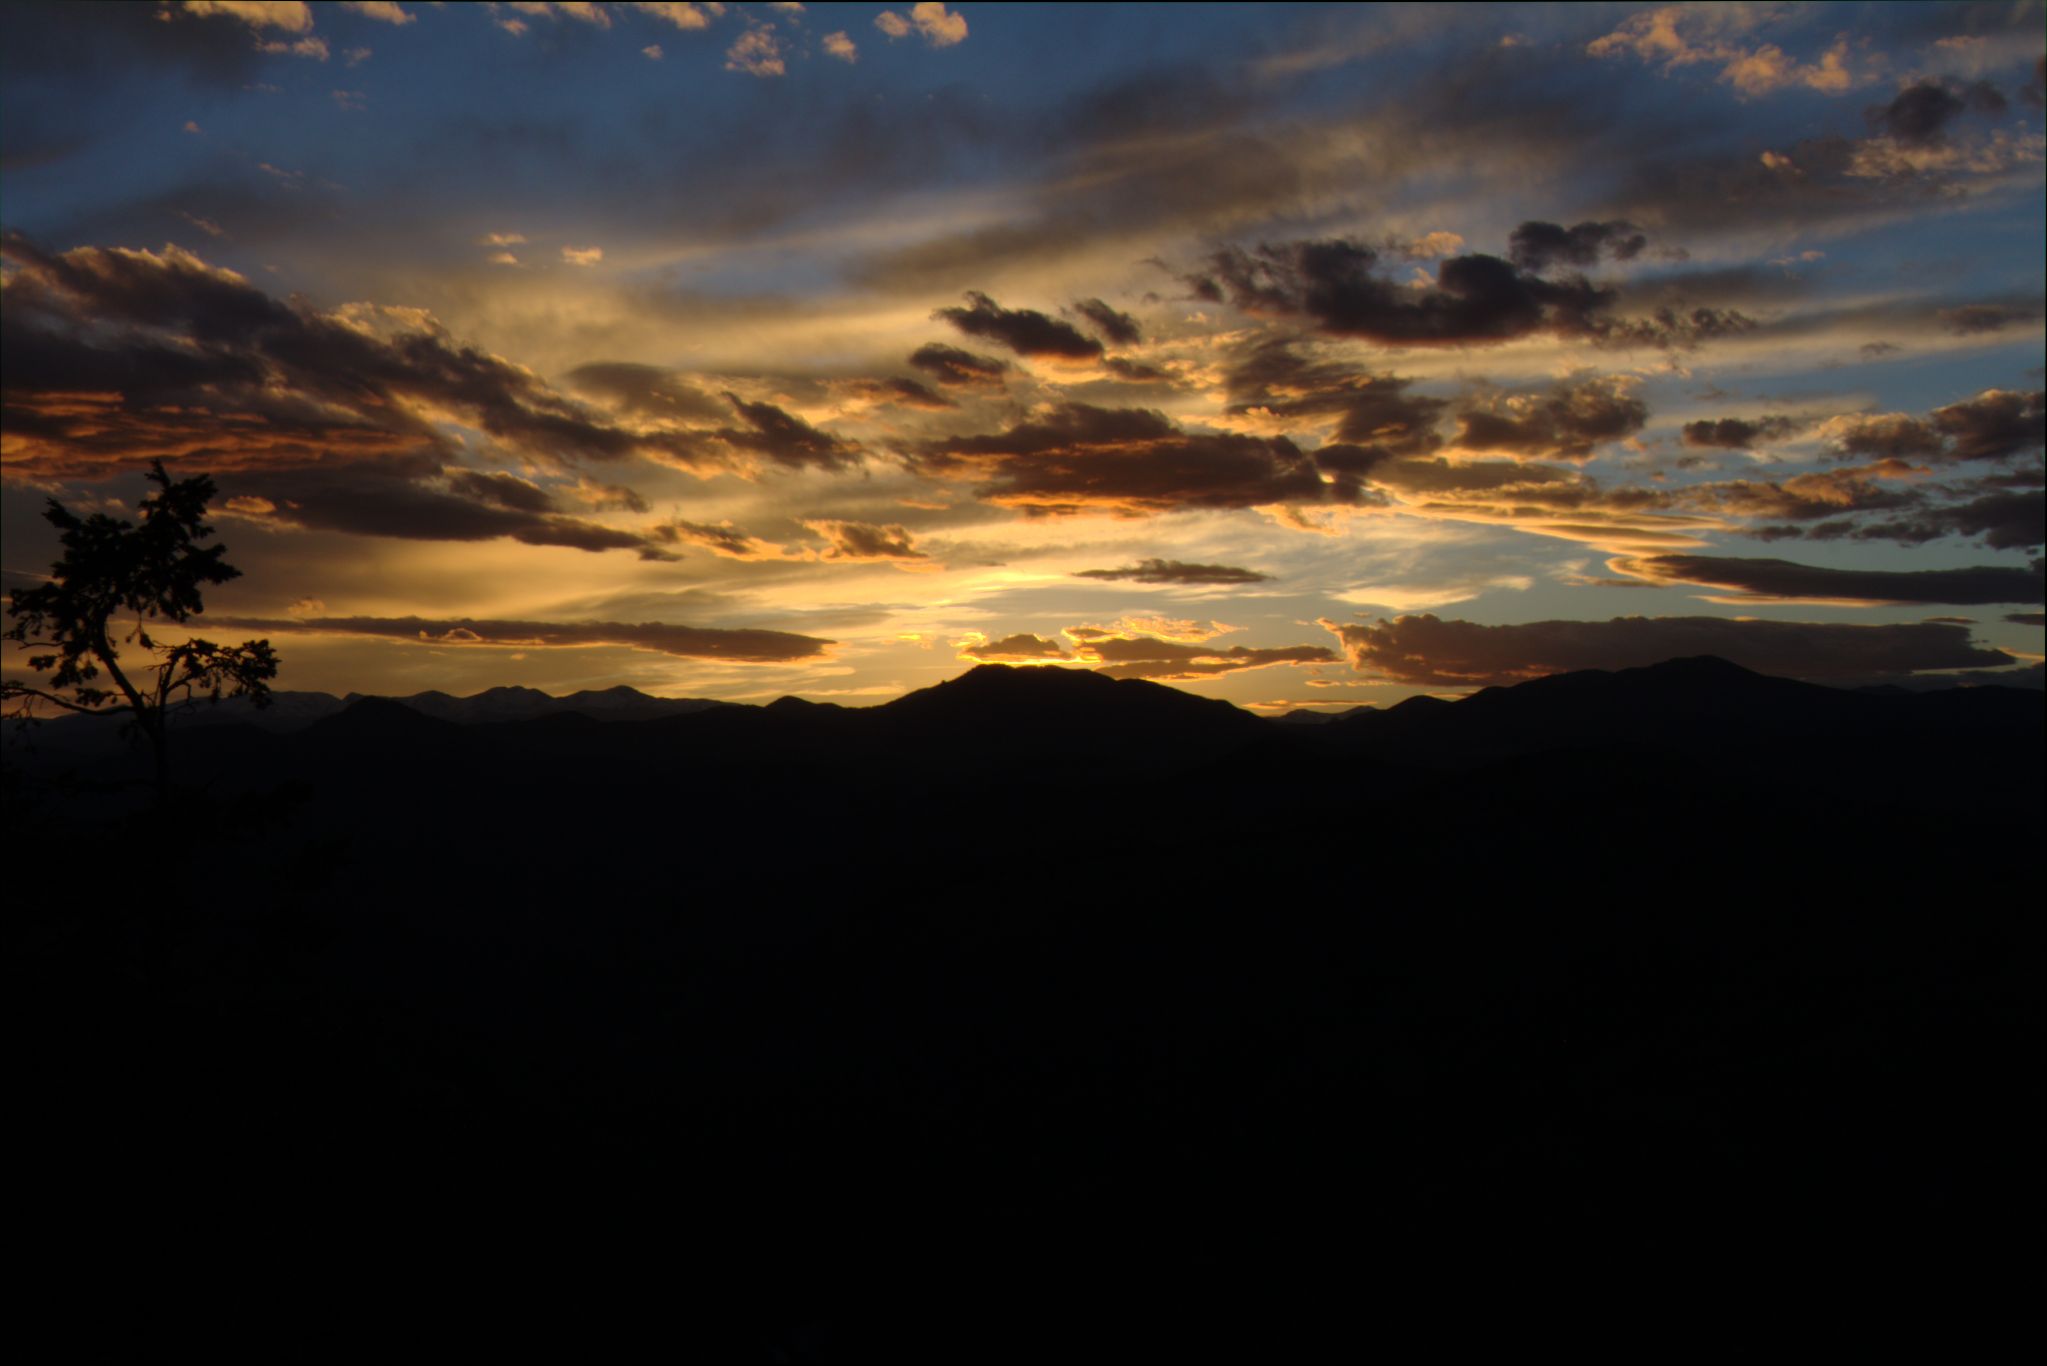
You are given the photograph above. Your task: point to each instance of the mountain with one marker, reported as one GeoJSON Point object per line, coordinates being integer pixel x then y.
{"type": "Point", "coordinates": [523, 704]}
{"type": "Point", "coordinates": [1610, 984]}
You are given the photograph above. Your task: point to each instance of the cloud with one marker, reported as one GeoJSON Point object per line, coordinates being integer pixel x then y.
{"type": "Point", "coordinates": [1114, 326]}
{"type": "Point", "coordinates": [905, 393]}
{"type": "Point", "coordinates": [1129, 462]}
{"type": "Point", "coordinates": [585, 11]}
{"type": "Point", "coordinates": [1974, 320]}
{"type": "Point", "coordinates": [1474, 299]}
{"type": "Point", "coordinates": [687, 642]}
{"type": "Point", "coordinates": [314, 47]}
{"type": "Point", "coordinates": [1737, 433]}
{"type": "Point", "coordinates": [1022, 648]}
{"type": "Point", "coordinates": [938, 26]}
{"type": "Point", "coordinates": [1165, 628]}
{"type": "Point", "coordinates": [1754, 580]}
{"type": "Point", "coordinates": [1537, 245]}
{"type": "Point", "coordinates": [506, 490]}
{"type": "Point", "coordinates": [383, 11]}
{"type": "Point", "coordinates": [290, 15]}
{"type": "Point", "coordinates": [785, 438]}
{"type": "Point", "coordinates": [648, 391]}
{"type": "Point", "coordinates": [582, 256]}
{"type": "Point", "coordinates": [1175, 571]}
{"type": "Point", "coordinates": [1136, 372]}
{"type": "Point", "coordinates": [1996, 424]}
{"type": "Point", "coordinates": [840, 46]}
{"type": "Point", "coordinates": [757, 52]}
{"type": "Point", "coordinates": [501, 239]}
{"type": "Point", "coordinates": [404, 501]}
{"type": "Point", "coordinates": [2005, 521]}
{"type": "Point", "coordinates": [1143, 656]}
{"type": "Point", "coordinates": [1430, 246]}
{"type": "Point", "coordinates": [683, 16]}
{"type": "Point", "coordinates": [864, 541]}
{"type": "Point", "coordinates": [609, 497]}
{"type": "Point", "coordinates": [1024, 331]}
{"type": "Point", "coordinates": [2026, 618]}
{"type": "Point", "coordinates": [116, 357]}
{"type": "Point", "coordinates": [951, 365]}
{"type": "Point", "coordinates": [1569, 422]}
{"type": "Point", "coordinates": [1430, 652]}
{"type": "Point", "coordinates": [723, 539]}
{"type": "Point", "coordinates": [1376, 412]}
{"type": "Point", "coordinates": [1921, 112]}
{"type": "Point", "coordinates": [1686, 36]}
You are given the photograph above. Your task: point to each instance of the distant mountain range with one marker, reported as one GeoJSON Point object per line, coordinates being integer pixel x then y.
{"type": "Point", "coordinates": [293, 711]}
{"type": "Point", "coordinates": [1586, 696]}
{"type": "Point", "coordinates": [1619, 1003]}
{"type": "Point", "coordinates": [998, 726]}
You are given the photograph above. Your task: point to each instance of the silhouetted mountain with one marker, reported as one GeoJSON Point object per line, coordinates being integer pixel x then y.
{"type": "Point", "coordinates": [521, 704]}
{"type": "Point", "coordinates": [1302, 716]}
{"type": "Point", "coordinates": [1653, 1013]}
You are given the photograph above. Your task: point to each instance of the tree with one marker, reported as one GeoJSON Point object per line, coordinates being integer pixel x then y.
{"type": "Point", "coordinates": [111, 568]}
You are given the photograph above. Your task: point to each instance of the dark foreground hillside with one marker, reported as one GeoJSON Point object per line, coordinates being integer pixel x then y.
{"type": "Point", "coordinates": [1673, 1014]}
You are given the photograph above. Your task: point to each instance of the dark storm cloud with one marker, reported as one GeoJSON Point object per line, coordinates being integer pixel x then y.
{"type": "Point", "coordinates": [1024, 331]}
{"type": "Point", "coordinates": [1537, 245]}
{"type": "Point", "coordinates": [1114, 326]}
{"type": "Point", "coordinates": [1569, 422]}
{"type": "Point", "coordinates": [1920, 113]}
{"type": "Point", "coordinates": [198, 362]}
{"type": "Point", "coordinates": [1175, 571]}
{"type": "Point", "coordinates": [1375, 411]}
{"type": "Point", "coordinates": [1772, 579]}
{"type": "Point", "coordinates": [1475, 298]}
{"type": "Point", "coordinates": [648, 391]}
{"type": "Point", "coordinates": [688, 642]}
{"type": "Point", "coordinates": [1431, 652]}
{"type": "Point", "coordinates": [2026, 618]}
{"type": "Point", "coordinates": [1737, 433]}
{"type": "Point", "coordinates": [950, 365]}
{"type": "Point", "coordinates": [1130, 462]}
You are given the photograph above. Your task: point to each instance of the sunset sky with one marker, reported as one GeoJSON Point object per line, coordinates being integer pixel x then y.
{"type": "Point", "coordinates": [1298, 356]}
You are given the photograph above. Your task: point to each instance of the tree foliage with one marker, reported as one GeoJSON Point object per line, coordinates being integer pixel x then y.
{"type": "Point", "coordinates": [114, 579]}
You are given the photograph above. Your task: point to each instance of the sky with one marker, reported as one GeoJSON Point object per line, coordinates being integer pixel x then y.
{"type": "Point", "coordinates": [1300, 356]}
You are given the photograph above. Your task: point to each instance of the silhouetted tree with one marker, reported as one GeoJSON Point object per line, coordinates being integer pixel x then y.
{"type": "Point", "coordinates": [111, 568]}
